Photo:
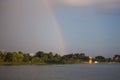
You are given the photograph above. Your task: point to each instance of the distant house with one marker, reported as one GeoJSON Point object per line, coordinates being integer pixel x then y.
{"type": "Point", "coordinates": [31, 54]}
{"type": "Point", "coordinates": [116, 58]}
{"type": "Point", "coordinates": [95, 62]}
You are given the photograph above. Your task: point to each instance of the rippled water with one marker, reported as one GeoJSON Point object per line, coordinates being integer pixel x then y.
{"type": "Point", "coordinates": [61, 72]}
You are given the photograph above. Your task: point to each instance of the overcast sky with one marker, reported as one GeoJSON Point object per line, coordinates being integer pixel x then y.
{"type": "Point", "coordinates": [89, 26]}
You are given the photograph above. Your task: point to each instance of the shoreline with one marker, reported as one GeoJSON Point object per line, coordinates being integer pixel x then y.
{"type": "Point", "coordinates": [28, 63]}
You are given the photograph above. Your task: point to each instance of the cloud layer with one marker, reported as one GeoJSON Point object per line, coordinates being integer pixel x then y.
{"type": "Point", "coordinates": [87, 3]}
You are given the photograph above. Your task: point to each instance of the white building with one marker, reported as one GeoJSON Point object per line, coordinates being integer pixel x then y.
{"type": "Point", "coordinates": [31, 54]}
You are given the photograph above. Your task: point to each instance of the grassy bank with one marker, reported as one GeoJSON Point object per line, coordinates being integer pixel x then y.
{"type": "Point", "coordinates": [38, 63]}
{"type": "Point", "coordinates": [34, 63]}
{"type": "Point", "coordinates": [21, 63]}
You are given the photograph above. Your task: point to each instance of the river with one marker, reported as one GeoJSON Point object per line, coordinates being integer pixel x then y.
{"type": "Point", "coordinates": [61, 72]}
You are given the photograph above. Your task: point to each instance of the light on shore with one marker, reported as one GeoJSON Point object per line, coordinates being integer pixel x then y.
{"type": "Point", "coordinates": [90, 60]}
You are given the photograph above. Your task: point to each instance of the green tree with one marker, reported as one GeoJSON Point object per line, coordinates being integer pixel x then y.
{"type": "Point", "coordinates": [50, 55]}
{"type": "Point", "coordinates": [100, 58]}
{"type": "Point", "coordinates": [27, 58]}
{"type": "Point", "coordinates": [35, 59]}
{"type": "Point", "coordinates": [57, 59]}
{"type": "Point", "coordinates": [39, 54]}
{"type": "Point", "coordinates": [108, 60]}
{"type": "Point", "coordinates": [8, 57]}
{"type": "Point", "coordinates": [20, 57]}
{"type": "Point", "coordinates": [17, 57]}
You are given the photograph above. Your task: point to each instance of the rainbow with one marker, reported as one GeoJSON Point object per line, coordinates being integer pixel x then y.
{"type": "Point", "coordinates": [62, 48]}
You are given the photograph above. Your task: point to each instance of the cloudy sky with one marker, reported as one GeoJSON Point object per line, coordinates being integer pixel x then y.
{"type": "Point", "coordinates": [61, 26]}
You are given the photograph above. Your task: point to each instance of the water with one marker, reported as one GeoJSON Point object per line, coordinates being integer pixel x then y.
{"type": "Point", "coordinates": [61, 72]}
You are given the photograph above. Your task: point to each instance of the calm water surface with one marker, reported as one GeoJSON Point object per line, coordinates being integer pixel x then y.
{"type": "Point", "coordinates": [61, 72]}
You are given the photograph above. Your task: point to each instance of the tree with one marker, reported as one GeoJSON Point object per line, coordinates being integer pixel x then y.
{"type": "Point", "coordinates": [36, 59]}
{"type": "Point", "coordinates": [116, 58]}
{"type": "Point", "coordinates": [45, 57]}
{"type": "Point", "coordinates": [2, 57]}
{"type": "Point", "coordinates": [50, 56]}
{"type": "Point", "coordinates": [39, 54]}
{"type": "Point", "coordinates": [17, 57]}
{"type": "Point", "coordinates": [109, 59]}
{"type": "Point", "coordinates": [14, 57]}
{"type": "Point", "coordinates": [100, 58]}
{"type": "Point", "coordinates": [8, 57]}
{"type": "Point", "coordinates": [27, 58]}
{"type": "Point", "coordinates": [57, 59]}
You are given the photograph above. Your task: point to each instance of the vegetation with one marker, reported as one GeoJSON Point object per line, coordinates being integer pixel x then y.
{"type": "Point", "coordinates": [41, 57]}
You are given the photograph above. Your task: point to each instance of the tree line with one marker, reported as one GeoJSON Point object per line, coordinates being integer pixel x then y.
{"type": "Point", "coordinates": [50, 58]}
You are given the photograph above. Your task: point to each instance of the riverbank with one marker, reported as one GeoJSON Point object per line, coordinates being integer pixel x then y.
{"type": "Point", "coordinates": [21, 63]}
{"type": "Point", "coordinates": [37, 63]}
